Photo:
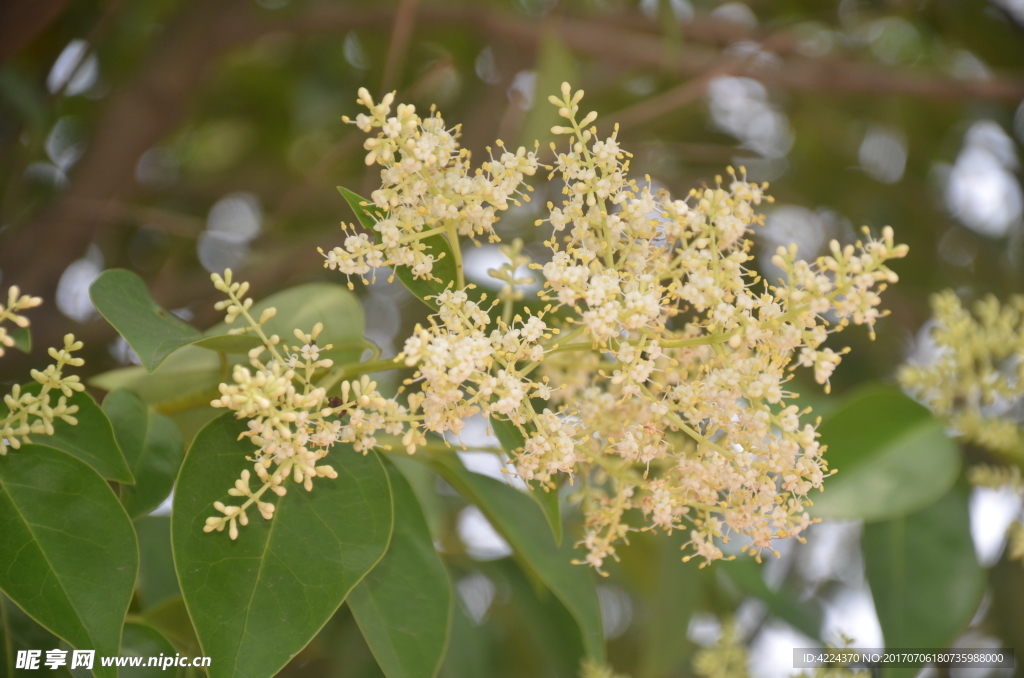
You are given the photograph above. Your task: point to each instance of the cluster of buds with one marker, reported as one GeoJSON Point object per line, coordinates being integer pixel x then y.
{"type": "Point", "coordinates": [972, 375]}
{"type": "Point", "coordinates": [976, 371]}
{"type": "Point", "coordinates": [428, 189]}
{"type": "Point", "coordinates": [292, 422]}
{"type": "Point", "coordinates": [16, 302]}
{"type": "Point", "coordinates": [33, 411]}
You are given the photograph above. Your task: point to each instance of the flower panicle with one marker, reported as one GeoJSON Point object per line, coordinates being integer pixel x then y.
{"type": "Point", "coordinates": [656, 376]}
{"type": "Point", "coordinates": [33, 411]}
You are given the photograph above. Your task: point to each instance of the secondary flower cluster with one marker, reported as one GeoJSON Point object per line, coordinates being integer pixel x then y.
{"type": "Point", "coordinates": [32, 410]}
{"type": "Point", "coordinates": [428, 189]}
{"type": "Point", "coordinates": [973, 377]}
{"type": "Point", "coordinates": [977, 372]}
{"type": "Point", "coordinates": [292, 422]}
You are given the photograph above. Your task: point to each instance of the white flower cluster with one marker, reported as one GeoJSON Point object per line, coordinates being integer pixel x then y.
{"type": "Point", "coordinates": [656, 376]}
{"type": "Point", "coordinates": [34, 413]}
{"type": "Point", "coordinates": [292, 421]}
{"type": "Point", "coordinates": [428, 189]}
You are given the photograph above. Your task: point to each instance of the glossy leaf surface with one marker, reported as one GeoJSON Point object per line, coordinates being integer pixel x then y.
{"type": "Point", "coordinates": [68, 554]}
{"type": "Point", "coordinates": [404, 605]}
{"type": "Point", "coordinates": [256, 601]}
{"type": "Point", "coordinates": [152, 447]}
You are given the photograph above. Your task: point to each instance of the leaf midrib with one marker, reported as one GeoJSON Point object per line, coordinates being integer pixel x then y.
{"type": "Point", "coordinates": [67, 597]}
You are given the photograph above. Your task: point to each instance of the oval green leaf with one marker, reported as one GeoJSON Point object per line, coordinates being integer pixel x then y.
{"type": "Point", "coordinates": [152, 447]}
{"type": "Point", "coordinates": [91, 439]}
{"type": "Point", "coordinates": [152, 331]}
{"type": "Point", "coordinates": [256, 601]}
{"type": "Point", "coordinates": [404, 605]}
{"type": "Point", "coordinates": [892, 457]}
{"type": "Point", "coordinates": [68, 554]}
{"type": "Point", "coordinates": [522, 523]}
{"type": "Point", "coordinates": [444, 270]}
{"type": "Point", "coordinates": [186, 380]}
{"type": "Point", "coordinates": [923, 573]}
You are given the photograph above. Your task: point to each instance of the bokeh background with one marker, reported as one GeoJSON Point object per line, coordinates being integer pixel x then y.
{"type": "Point", "coordinates": [179, 137]}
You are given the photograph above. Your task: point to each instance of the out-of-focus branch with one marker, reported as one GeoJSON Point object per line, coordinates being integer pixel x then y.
{"type": "Point", "coordinates": [401, 34]}
{"type": "Point", "coordinates": [22, 20]}
{"type": "Point", "coordinates": [641, 48]}
{"type": "Point", "coordinates": [106, 211]}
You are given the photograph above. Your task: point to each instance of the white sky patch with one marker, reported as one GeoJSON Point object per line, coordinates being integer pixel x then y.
{"type": "Point", "coordinates": [476, 592]}
{"type": "Point", "coordinates": [616, 610]}
{"type": "Point", "coordinates": [72, 295]}
{"type": "Point", "coordinates": [231, 224]}
{"type": "Point", "coordinates": [981, 189]}
{"type": "Point", "coordinates": [883, 153]}
{"type": "Point", "coordinates": [482, 541]}
{"type": "Point", "coordinates": [76, 68]}
{"type": "Point", "coordinates": [771, 651]}
{"type": "Point", "coordinates": [521, 91]}
{"type": "Point", "coordinates": [486, 67]}
{"type": "Point", "coordinates": [992, 511]}
{"type": "Point", "coordinates": [851, 613]}
{"type": "Point", "coordinates": [740, 107]}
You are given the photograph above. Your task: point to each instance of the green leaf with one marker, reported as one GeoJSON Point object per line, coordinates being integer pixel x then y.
{"type": "Point", "coordinates": [444, 270]}
{"type": "Point", "coordinates": [551, 631]}
{"type": "Point", "coordinates": [747, 575]}
{"type": "Point", "coordinates": [186, 380]}
{"type": "Point", "coordinates": [18, 632]}
{"type": "Point", "coordinates": [140, 640]}
{"type": "Point", "coordinates": [152, 331]}
{"type": "Point", "coordinates": [257, 600]}
{"type": "Point", "coordinates": [523, 524]}
{"type": "Point", "coordinates": [152, 447]}
{"type": "Point", "coordinates": [158, 582]}
{"type": "Point", "coordinates": [171, 619]}
{"type": "Point", "coordinates": [403, 606]}
{"type": "Point", "coordinates": [91, 439]}
{"type": "Point", "coordinates": [891, 455]}
{"type": "Point", "coordinates": [512, 440]}
{"type": "Point", "coordinates": [22, 337]}
{"type": "Point", "coordinates": [68, 554]}
{"type": "Point", "coordinates": [924, 576]}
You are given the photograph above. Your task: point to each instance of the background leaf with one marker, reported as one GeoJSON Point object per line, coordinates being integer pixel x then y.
{"type": "Point", "coordinates": [158, 582]}
{"type": "Point", "coordinates": [152, 447]}
{"type": "Point", "coordinates": [140, 640]}
{"type": "Point", "coordinates": [91, 439]}
{"type": "Point", "coordinates": [404, 605]}
{"type": "Point", "coordinates": [152, 331]}
{"type": "Point", "coordinates": [257, 600]}
{"type": "Point", "coordinates": [511, 439]}
{"type": "Point", "coordinates": [892, 458]}
{"type": "Point", "coordinates": [924, 576]}
{"type": "Point", "coordinates": [444, 258]}
{"type": "Point", "coordinates": [18, 631]}
{"type": "Point", "coordinates": [68, 554]}
{"type": "Point", "coordinates": [22, 337]}
{"type": "Point", "coordinates": [523, 524]}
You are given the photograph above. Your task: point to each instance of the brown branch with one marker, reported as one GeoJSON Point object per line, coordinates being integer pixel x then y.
{"type": "Point", "coordinates": [22, 20]}
{"type": "Point", "coordinates": [401, 34]}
